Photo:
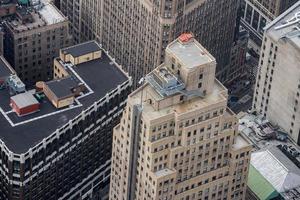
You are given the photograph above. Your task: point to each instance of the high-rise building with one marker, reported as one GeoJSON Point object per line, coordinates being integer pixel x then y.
{"type": "Point", "coordinates": [177, 139]}
{"type": "Point", "coordinates": [33, 37]}
{"type": "Point", "coordinates": [237, 65]}
{"type": "Point", "coordinates": [136, 32]}
{"type": "Point", "coordinates": [56, 138]}
{"type": "Point", "coordinates": [277, 93]}
{"type": "Point", "coordinates": [257, 14]}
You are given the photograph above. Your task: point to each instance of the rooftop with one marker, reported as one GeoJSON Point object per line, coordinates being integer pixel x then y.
{"type": "Point", "coordinates": [190, 53]}
{"type": "Point", "coordinates": [19, 134]}
{"type": "Point", "coordinates": [24, 99]}
{"type": "Point", "coordinates": [219, 95]}
{"type": "Point", "coordinates": [82, 49]}
{"type": "Point", "coordinates": [262, 133]}
{"type": "Point", "coordinates": [277, 169]}
{"type": "Point", "coordinates": [41, 15]}
{"type": "Point", "coordinates": [241, 142]}
{"type": "Point", "coordinates": [276, 160]}
{"type": "Point", "coordinates": [50, 13]}
{"type": "Point", "coordinates": [62, 87]}
{"type": "Point", "coordinates": [169, 89]}
{"type": "Point", "coordinates": [259, 185]}
{"type": "Point", "coordinates": [286, 26]}
{"type": "Point", "coordinates": [164, 172]}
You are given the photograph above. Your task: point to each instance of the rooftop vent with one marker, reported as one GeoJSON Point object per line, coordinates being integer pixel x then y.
{"type": "Point", "coordinates": [164, 82]}
{"type": "Point", "coordinates": [15, 84]}
{"type": "Point", "coordinates": [185, 37]}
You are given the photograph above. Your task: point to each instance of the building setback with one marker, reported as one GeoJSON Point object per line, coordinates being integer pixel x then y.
{"type": "Point", "coordinates": [136, 32]}
{"type": "Point", "coordinates": [33, 37]}
{"type": "Point", "coordinates": [177, 139]}
{"type": "Point", "coordinates": [61, 151]}
{"type": "Point", "coordinates": [277, 92]}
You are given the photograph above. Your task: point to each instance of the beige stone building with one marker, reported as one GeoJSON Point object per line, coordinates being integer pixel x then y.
{"type": "Point", "coordinates": [277, 93]}
{"type": "Point", "coordinates": [177, 139]}
{"type": "Point", "coordinates": [136, 32]}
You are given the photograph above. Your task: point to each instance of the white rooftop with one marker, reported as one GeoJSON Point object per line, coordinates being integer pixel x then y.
{"type": "Point", "coordinates": [191, 54]}
{"type": "Point", "coordinates": [50, 14]}
{"type": "Point", "coordinates": [278, 170]}
{"type": "Point", "coordinates": [44, 14]}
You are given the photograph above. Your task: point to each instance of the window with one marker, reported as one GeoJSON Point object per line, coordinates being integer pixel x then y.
{"type": "Point", "coordinates": [199, 85]}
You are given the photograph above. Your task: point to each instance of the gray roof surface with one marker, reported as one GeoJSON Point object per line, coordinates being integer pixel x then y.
{"type": "Point", "coordinates": [102, 77]}
{"type": "Point", "coordinates": [24, 99]}
{"type": "Point", "coordinates": [279, 28]}
{"type": "Point", "coordinates": [277, 168]}
{"type": "Point", "coordinates": [62, 87]}
{"type": "Point", "coordinates": [82, 49]}
{"type": "Point", "coordinates": [190, 54]}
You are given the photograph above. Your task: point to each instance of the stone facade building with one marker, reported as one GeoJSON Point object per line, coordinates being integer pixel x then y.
{"type": "Point", "coordinates": [277, 93]}
{"type": "Point", "coordinates": [177, 139]}
{"type": "Point", "coordinates": [136, 32]}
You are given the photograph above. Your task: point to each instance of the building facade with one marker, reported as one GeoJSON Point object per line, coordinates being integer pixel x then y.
{"type": "Point", "coordinates": [1, 41]}
{"type": "Point", "coordinates": [33, 37]}
{"type": "Point", "coordinates": [62, 153]}
{"type": "Point", "coordinates": [277, 92]}
{"type": "Point", "coordinates": [136, 32]}
{"type": "Point", "coordinates": [177, 139]}
{"type": "Point", "coordinates": [237, 65]}
{"type": "Point", "coordinates": [257, 14]}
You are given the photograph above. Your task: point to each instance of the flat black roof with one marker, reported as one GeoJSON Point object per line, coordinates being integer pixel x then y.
{"type": "Point", "coordinates": [4, 70]}
{"type": "Point", "coordinates": [100, 75]}
{"type": "Point", "coordinates": [62, 87]}
{"type": "Point", "coordinates": [82, 49]}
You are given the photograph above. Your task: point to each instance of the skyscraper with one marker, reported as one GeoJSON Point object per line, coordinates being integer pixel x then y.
{"type": "Point", "coordinates": [177, 139]}
{"type": "Point", "coordinates": [258, 13]}
{"type": "Point", "coordinates": [277, 93]}
{"type": "Point", "coordinates": [55, 139]}
{"type": "Point", "coordinates": [136, 32]}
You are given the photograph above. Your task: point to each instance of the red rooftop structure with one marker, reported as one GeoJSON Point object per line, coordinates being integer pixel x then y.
{"type": "Point", "coordinates": [24, 103]}
{"type": "Point", "coordinates": [185, 37]}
